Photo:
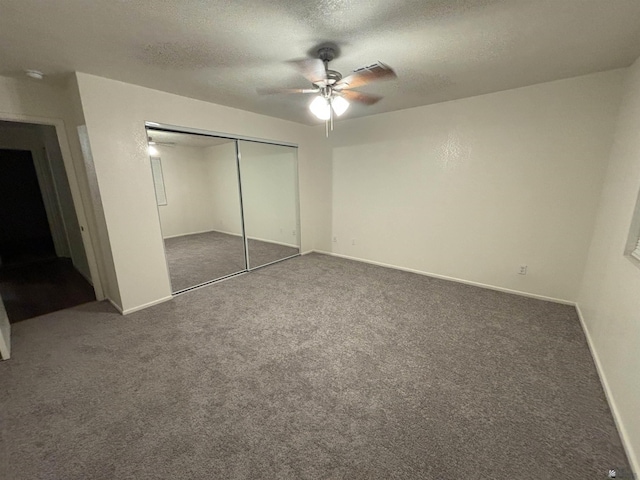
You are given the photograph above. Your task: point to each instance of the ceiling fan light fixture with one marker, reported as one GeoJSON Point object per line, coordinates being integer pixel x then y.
{"type": "Point", "coordinates": [332, 93]}
{"type": "Point", "coordinates": [340, 105]}
{"type": "Point", "coordinates": [320, 107]}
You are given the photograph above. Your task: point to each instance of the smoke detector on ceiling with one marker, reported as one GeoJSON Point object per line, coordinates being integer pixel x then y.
{"type": "Point", "coordinates": [37, 74]}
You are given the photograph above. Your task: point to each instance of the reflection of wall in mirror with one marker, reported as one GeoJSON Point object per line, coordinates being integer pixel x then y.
{"type": "Point", "coordinates": [201, 185]}
{"type": "Point", "coordinates": [222, 178]}
{"type": "Point", "coordinates": [269, 188]}
{"type": "Point", "coordinates": [188, 198]}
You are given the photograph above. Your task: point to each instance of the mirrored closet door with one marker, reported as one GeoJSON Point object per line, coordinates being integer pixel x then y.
{"type": "Point", "coordinates": [226, 206]}
{"type": "Point", "coordinates": [196, 182]}
{"type": "Point", "coordinates": [270, 201]}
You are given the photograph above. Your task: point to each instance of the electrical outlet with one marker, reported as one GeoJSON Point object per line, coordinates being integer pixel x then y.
{"type": "Point", "coordinates": [523, 270]}
{"type": "Point", "coordinates": [294, 233]}
{"type": "Point", "coordinates": [335, 239]}
{"type": "Point", "coordinates": [353, 241]}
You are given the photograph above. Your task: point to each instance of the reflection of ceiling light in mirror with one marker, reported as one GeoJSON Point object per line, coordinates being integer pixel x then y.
{"type": "Point", "coordinates": [153, 150]}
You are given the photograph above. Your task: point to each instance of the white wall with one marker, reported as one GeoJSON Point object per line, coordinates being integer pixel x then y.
{"type": "Point", "coordinates": [32, 98]}
{"type": "Point", "coordinates": [101, 261]}
{"type": "Point", "coordinates": [609, 298]}
{"type": "Point", "coordinates": [189, 198]}
{"type": "Point", "coordinates": [115, 113]}
{"type": "Point", "coordinates": [473, 188]}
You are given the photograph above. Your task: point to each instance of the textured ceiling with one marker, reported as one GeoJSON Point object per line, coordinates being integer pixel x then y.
{"type": "Point", "coordinates": [220, 51]}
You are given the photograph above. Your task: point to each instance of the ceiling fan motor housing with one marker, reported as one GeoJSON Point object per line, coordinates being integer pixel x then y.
{"type": "Point", "coordinates": [326, 54]}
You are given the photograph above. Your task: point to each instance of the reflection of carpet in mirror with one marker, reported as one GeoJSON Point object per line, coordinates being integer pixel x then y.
{"type": "Point", "coordinates": [201, 257]}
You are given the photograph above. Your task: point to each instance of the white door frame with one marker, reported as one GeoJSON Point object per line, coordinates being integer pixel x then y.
{"type": "Point", "coordinates": [5, 334]}
{"type": "Point", "coordinates": [78, 202]}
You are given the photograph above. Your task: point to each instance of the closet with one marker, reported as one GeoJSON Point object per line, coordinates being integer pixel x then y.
{"type": "Point", "coordinates": [226, 205]}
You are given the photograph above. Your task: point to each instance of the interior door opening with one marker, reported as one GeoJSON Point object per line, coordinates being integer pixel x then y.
{"type": "Point", "coordinates": [43, 264]}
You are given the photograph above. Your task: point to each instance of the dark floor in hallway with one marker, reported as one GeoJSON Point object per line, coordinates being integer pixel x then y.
{"type": "Point", "coordinates": [32, 289]}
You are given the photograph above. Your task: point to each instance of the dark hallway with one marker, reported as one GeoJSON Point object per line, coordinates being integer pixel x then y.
{"type": "Point", "coordinates": [25, 235]}
{"type": "Point", "coordinates": [33, 279]}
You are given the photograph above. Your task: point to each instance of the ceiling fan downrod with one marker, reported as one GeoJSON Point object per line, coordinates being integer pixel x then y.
{"type": "Point", "coordinates": [327, 54]}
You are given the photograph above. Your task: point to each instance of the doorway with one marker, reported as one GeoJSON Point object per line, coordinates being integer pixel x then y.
{"type": "Point", "coordinates": [43, 265]}
{"type": "Point", "coordinates": [25, 236]}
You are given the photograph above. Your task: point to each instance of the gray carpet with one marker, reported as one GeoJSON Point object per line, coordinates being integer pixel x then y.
{"type": "Point", "coordinates": [202, 257]}
{"type": "Point", "coordinates": [315, 367]}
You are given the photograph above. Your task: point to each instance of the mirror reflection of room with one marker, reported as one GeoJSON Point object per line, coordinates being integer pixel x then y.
{"type": "Point", "coordinates": [198, 198]}
{"type": "Point", "coordinates": [270, 201]}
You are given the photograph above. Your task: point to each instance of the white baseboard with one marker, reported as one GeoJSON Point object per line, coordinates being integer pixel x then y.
{"type": "Point", "coordinates": [115, 305]}
{"type": "Point", "coordinates": [452, 279]}
{"type": "Point", "coordinates": [258, 239]}
{"type": "Point", "coordinates": [273, 242]}
{"type": "Point", "coordinates": [139, 307]}
{"type": "Point", "coordinates": [622, 431]}
{"type": "Point", "coordinates": [227, 233]}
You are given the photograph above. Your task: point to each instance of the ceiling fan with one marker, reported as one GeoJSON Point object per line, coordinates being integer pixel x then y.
{"type": "Point", "coordinates": [333, 92]}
